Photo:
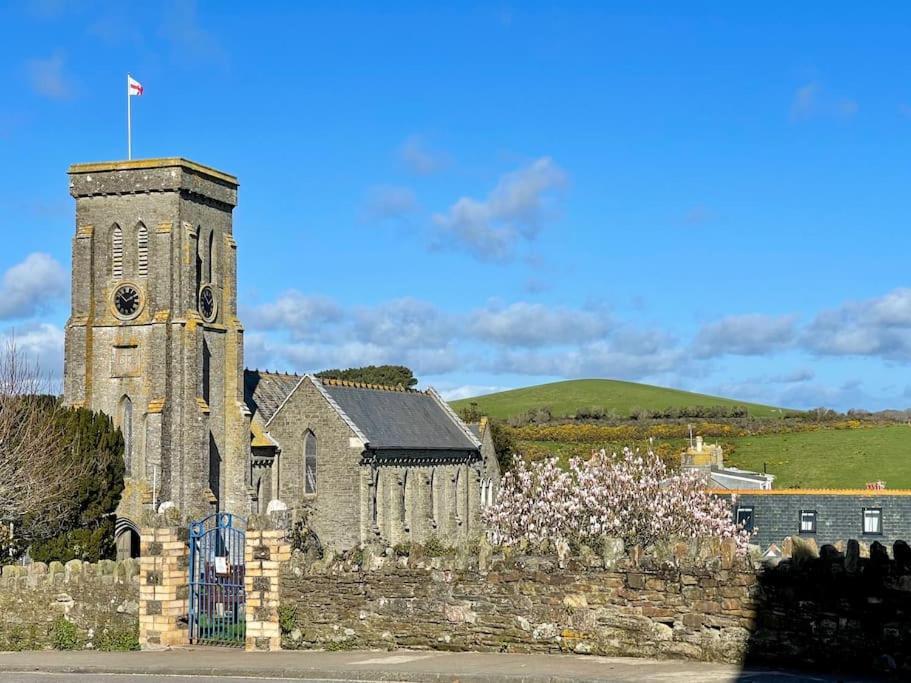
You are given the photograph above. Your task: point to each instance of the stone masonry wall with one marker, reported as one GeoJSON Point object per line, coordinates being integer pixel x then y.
{"type": "Point", "coordinates": [688, 600]}
{"type": "Point", "coordinates": [74, 605]}
{"type": "Point", "coordinates": [679, 607]}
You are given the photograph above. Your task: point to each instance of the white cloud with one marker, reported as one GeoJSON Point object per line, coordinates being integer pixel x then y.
{"type": "Point", "coordinates": [515, 211]}
{"type": "Point", "coordinates": [42, 344]}
{"type": "Point", "coordinates": [419, 158]}
{"type": "Point", "coordinates": [47, 77]}
{"type": "Point", "coordinates": [389, 202]}
{"type": "Point", "coordinates": [811, 100]}
{"type": "Point", "coordinates": [302, 315]}
{"type": "Point", "coordinates": [404, 323]}
{"type": "Point", "coordinates": [454, 393]}
{"type": "Point", "coordinates": [527, 324]}
{"type": "Point", "coordinates": [32, 286]}
{"type": "Point", "coordinates": [182, 29]}
{"type": "Point", "coordinates": [876, 327]}
{"type": "Point", "coordinates": [745, 335]}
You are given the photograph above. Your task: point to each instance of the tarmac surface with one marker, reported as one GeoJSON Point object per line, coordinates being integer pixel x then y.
{"type": "Point", "coordinates": [220, 665]}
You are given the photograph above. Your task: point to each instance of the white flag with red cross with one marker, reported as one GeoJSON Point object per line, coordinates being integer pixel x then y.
{"type": "Point", "coordinates": [134, 87]}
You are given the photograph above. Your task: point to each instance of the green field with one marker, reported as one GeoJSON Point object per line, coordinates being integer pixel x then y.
{"type": "Point", "coordinates": [565, 398]}
{"type": "Point", "coordinates": [838, 458]}
{"type": "Point", "coordinates": [828, 458]}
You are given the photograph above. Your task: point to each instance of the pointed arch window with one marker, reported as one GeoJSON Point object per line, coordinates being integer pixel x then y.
{"type": "Point", "coordinates": [206, 371]}
{"type": "Point", "coordinates": [375, 498]}
{"type": "Point", "coordinates": [117, 251]}
{"type": "Point", "coordinates": [199, 247]}
{"type": "Point", "coordinates": [455, 492]}
{"type": "Point", "coordinates": [310, 463]}
{"type": "Point", "coordinates": [142, 249]}
{"type": "Point", "coordinates": [126, 428]}
{"type": "Point", "coordinates": [210, 272]}
{"type": "Point", "coordinates": [433, 497]}
{"type": "Point", "coordinates": [403, 512]}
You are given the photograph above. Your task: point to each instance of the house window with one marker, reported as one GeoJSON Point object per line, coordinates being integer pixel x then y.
{"type": "Point", "coordinates": [873, 521]}
{"type": "Point", "coordinates": [310, 463]}
{"type": "Point", "coordinates": [808, 521]}
{"type": "Point", "coordinates": [745, 517]}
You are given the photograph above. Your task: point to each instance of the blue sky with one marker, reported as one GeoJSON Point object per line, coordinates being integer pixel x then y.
{"type": "Point", "coordinates": [502, 195]}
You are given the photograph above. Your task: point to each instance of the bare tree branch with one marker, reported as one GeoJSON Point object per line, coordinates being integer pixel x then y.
{"type": "Point", "coordinates": [38, 475]}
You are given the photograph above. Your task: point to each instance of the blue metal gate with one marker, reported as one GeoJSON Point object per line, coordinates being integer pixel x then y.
{"type": "Point", "coordinates": [217, 598]}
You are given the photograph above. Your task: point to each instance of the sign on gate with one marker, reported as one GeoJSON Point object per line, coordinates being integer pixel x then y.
{"type": "Point", "coordinates": [217, 599]}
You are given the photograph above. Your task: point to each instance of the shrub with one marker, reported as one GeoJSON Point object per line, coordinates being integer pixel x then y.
{"type": "Point", "coordinates": [114, 639]}
{"type": "Point", "coordinates": [64, 635]}
{"type": "Point", "coordinates": [504, 445]}
{"type": "Point", "coordinates": [629, 496]}
{"type": "Point", "coordinates": [304, 538]}
{"type": "Point", "coordinates": [95, 446]}
{"type": "Point", "coordinates": [287, 618]}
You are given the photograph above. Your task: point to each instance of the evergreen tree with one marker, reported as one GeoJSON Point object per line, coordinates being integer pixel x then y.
{"type": "Point", "coordinates": [387, 375]}
{"type": "Point", "coordinates": [96, 445]}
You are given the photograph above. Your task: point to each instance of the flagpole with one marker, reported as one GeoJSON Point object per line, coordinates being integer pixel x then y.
{"type": "Point", "coordinates": [129, 123]}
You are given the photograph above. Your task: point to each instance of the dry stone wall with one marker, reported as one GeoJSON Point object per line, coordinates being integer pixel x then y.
{"type": "Point", "coordinates": [76, 605]}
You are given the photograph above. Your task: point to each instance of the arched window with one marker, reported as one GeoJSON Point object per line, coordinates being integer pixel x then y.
{"type": "Point", "coordinates": [126, 428]}
{"type": "Point", "coordinates": [206, 371]}
{"type": "Point", "coordinates": [374, 501]}
{"type": "Point", "coordinates": [117, 251]}
{"type": "Point", "coordinates": [142, 249]}
{"type": "Point", "coordinates": [455, 492]}
{"type": "Point", "coordinates": [433, 497]}
{"type": "Point", "coordinates": [199, 243]}
{"type": "Point", "coordinates": [402, 497]}
{"type": "Point", "coordinates": [210, 266]}
{"type": "Point", "coordinates": [310, 463]}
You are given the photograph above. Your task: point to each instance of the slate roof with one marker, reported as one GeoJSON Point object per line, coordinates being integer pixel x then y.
{"type": "Point", "coordinates": [400, 420]}
{"type": "Point", "coordinates": [388, 418]}
{"type": "Point", "coordinates": [265, 391]}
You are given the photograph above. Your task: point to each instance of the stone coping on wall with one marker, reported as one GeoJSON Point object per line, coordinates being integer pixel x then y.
{"type": "Point", "coordinates": [39, 573]}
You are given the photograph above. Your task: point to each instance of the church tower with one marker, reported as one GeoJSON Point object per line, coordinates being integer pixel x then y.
{"type": "Point", "coordinates": [153, 338]}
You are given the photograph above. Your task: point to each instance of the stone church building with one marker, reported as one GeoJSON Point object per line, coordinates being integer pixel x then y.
{"type": "Point", "coordinates": [154, 340]}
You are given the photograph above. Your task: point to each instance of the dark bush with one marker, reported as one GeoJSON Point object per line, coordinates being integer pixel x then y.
{"type": "Point", "coordinates": [92, 438]}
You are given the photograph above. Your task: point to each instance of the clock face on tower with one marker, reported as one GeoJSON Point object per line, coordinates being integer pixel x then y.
{"type": "Point", "coordinates": [207, 303]}
{"type": "Point", "coordinates": [127, 301]}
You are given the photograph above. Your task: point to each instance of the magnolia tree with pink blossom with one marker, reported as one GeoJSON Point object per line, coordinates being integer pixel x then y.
{"type": "Point", "coordinates": [631, 496]}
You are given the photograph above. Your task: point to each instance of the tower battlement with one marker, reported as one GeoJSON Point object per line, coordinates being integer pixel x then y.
{"type": "Point", "coordinates": [170, 174]}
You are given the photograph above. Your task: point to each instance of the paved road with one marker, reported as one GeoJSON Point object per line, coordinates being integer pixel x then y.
{"type": "Point", "coordinates": [212, 665]}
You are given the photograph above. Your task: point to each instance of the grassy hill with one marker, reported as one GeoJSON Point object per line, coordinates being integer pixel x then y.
{"type": "Point", "coordinates": [565, 398]}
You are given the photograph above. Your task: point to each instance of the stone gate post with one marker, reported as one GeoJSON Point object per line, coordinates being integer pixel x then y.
{"type": "Point", "coordinates": [263, 554]}
{"type": "Point", "coordinates": [163, 587]}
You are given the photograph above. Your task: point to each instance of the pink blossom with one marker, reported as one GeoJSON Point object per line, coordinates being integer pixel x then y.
{"type": "Point", "coordinates": [629, 496]}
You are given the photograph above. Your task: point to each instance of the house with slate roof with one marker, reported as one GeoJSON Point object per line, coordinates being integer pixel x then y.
{"type": "Point", "coordinates": [365, 462]}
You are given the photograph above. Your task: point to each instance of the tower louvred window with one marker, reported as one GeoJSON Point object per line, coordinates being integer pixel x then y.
{"type": "Point", "coordinates": [142, 243]}
{"type": "Point", "coordinates": [117, 252]}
